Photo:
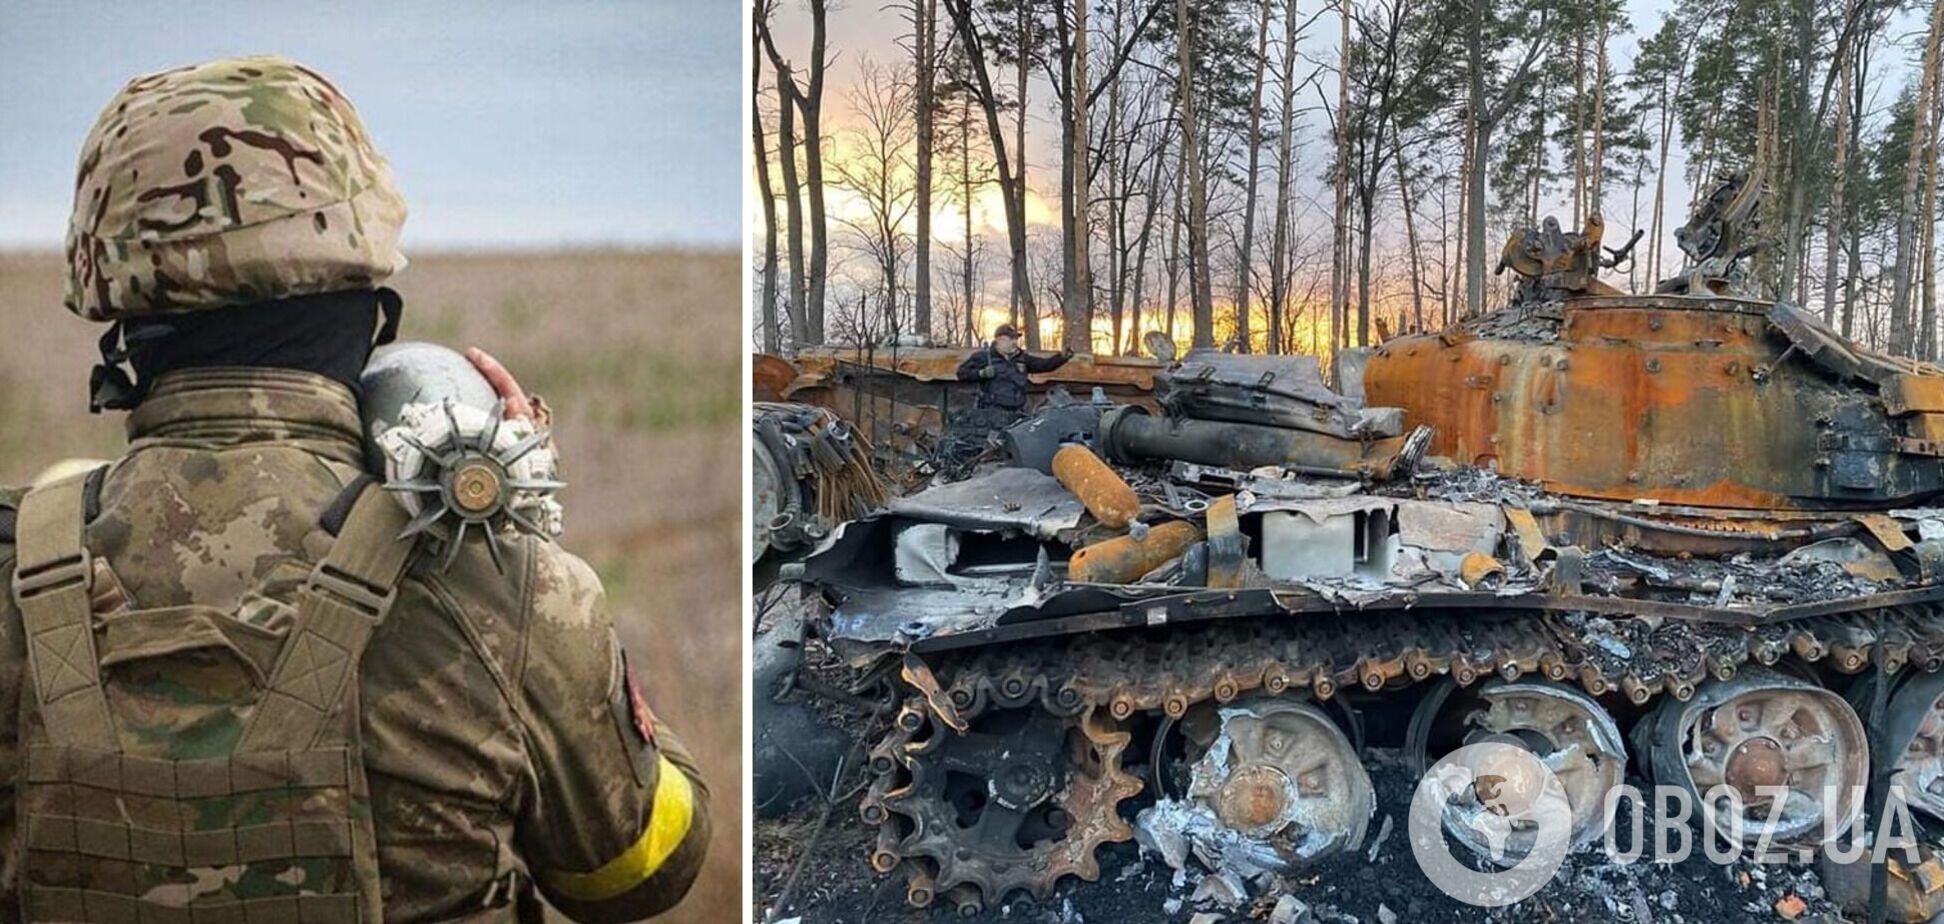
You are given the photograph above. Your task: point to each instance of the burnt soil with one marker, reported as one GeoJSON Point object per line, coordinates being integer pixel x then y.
{"type": "Point", "coordinates": [835, 884]}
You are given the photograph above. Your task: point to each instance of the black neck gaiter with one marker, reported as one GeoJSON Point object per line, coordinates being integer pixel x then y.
{"type": "Point", "coordinates": [330, 334]}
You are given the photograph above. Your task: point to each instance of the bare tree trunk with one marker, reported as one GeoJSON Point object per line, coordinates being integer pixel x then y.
{"type": "Point", "coordinates": [1285, 164]}
{"type": "Point", "coordinates": [1245, 271]}
{"type": "Point", "coordinates": [1340, 244]}
{"type": "Point", "coordinates": [1795, 224]}
{"type": "Point", "coordinates": [1928, 214]}
{"type": "Point", "coordinates": [1854, 270]}
{"type": "Point", "coordinates": [1767, 135]}
{"type": "Point", "coordinates": [1654, 247]}
{"type": "Point", "coordinates": [1176, 220]}
{"type": "Point", "coordinates": [1480, 134]}
{"type": "Point", "coordinates": [1077, 326]}
{"type": "Point", "coordinates": [1077, 96]}
{"type": "Point", "coordinates": [1117, 151]}
{"type": "Point", "coordinates": [1929, 282]}
{"type": "Point", "coordinates": [786, 142]}
{"type": "Point", "coordinates": [1446, 258]}
{"type": "Point", "coordinates": [1633, 220]}
{"type": "Point", "coordinates": [1703, 167]}
{"type": "Point", "coordinates": [1198, 268]}
{"type": "Point", "coordinates": [1802, 278]}
{"type": "Point", "coordinates": [772, 335]}
{"type": "Point", "coordinates": [1153, 207]}
{"type": "Point", "coordinates": [806, 298]}
{"type": "Point", "coordinates": [925, 50]}
{"type": "Point", "coordinates": [965, 200]}
{"type": "Point", "coordinates": [1838, 191]}
{"type": "Point", "coordinates": [1011, 185]}
{"type": "Point", "coordinates": [1019, 144]}
{"type": "Point", "coordinates": [1368, 205]}
{"type": "Point", "coordinates": [1069, 281]}
{"type": "Point", "coordinates": [1855, 75]}
{"type": "Point", "coordinates": [1025, 312]}
{"type": "Point", "coordinates": [1410, 235]}
{"type": "Point", "coordinates": [1461, 229]}
{"type": "Point", "coordinates": [1483, 117]}
{"type": "Point", "coordinates": [1596, 180]}
{"type": "Point", "coordinates": [1130, 345]}
{"type": "Point", "coordinates": [1901, 338]}
{"type": "Point", "coordinates": [1579, 128]}
{"type": "Point", "coordinates": [1541, 156]}
{"type": "Point", "coordinates": [811, 104]}
{"type": "Point", "coordinates": [887, 234]}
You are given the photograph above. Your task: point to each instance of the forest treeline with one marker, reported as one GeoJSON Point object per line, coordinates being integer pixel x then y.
{"type": "Point", "coordinates": [1297, 175]}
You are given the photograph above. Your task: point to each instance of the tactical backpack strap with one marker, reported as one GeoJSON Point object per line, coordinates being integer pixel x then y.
{"type": "Point", "coordinates": [53, 577]}
{"type": "Point", "coordinates": [345, 598]}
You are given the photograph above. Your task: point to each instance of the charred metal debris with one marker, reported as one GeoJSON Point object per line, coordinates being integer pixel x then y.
{"type": "Point", "coordinates": [1685, 533]}
{"type": "Point", "coordinates": [811, 471]}
{"type": "Point", "coordinates": [1255, 478]}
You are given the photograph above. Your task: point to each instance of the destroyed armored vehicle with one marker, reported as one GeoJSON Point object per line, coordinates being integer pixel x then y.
{"type": "Point", "coordinates": [1689, 530]}
{"type": "Point", "coordinates": [832, 425]}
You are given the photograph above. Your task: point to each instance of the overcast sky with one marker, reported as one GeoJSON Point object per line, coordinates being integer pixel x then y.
{"type": "Point", "coordinates": [507, 123]}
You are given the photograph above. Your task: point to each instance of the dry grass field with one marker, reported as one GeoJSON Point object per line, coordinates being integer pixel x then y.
{"type": "Point", "coordinates": [638, 353]}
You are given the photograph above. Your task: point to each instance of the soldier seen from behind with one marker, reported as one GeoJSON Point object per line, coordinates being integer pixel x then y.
{"type": "Point", "coordinates": [1001, 367]}
{"type": "Point", "coordinates": [229, 689]}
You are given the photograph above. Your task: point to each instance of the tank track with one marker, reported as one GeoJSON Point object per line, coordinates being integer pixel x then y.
{"type": "Point", "coordinates": [1096, 683]}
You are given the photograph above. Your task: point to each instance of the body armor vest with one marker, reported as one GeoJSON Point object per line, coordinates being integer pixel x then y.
{"type": "Point", "coordinates": [130, 828]}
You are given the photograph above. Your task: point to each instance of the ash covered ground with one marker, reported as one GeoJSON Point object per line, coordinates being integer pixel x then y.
{"type": "Point", "coordinates": [835, 884]}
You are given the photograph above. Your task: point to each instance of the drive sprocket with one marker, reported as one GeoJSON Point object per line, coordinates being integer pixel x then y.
{"type": "Point", "coordinates": [1017, 801]}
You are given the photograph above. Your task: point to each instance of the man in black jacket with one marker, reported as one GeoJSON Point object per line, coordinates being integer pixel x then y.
{"type": "Point", "coordinates": [1001, 367]}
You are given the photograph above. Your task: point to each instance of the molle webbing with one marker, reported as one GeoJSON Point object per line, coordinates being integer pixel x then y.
{"type": "Point", "coordinates": [57, 904]}
{"type": "Point", "coordinates": [84, 785]}
{"type": "Point", "coordinates": [277, 829]}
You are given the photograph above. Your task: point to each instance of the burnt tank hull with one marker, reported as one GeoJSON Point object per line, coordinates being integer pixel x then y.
{"type": "Point", "coordinates": [1656, 517]}
{"type": "Point", "coordinates": [1702, 401]}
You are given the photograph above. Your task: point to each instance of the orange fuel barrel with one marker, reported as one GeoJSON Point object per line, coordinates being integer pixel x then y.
{"type": "Point", "coordinates": [1124, 558]}
{"type": "Point", "coordinates": [1103, 491]}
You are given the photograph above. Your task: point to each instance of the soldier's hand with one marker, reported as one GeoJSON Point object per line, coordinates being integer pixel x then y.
{"type": "Point", "coordinates": [534, 411]}
{"type": "Point", "coordinates": [988, 372]}
{"type": "Point", "coordinates": [517, 405]}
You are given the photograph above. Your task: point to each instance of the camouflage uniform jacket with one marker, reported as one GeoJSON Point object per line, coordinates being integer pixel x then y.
{"type": "Point", "coordinates": [504, 742]}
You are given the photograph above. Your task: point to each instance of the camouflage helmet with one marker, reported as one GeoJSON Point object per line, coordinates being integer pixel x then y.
{"type": "Point", "coordinates": [235, 181]}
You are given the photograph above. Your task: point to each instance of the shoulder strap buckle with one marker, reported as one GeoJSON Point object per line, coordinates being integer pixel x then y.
{"type": "Point", "coordinates": [369, 599]}
{"type": "Point", "coordinates": [51, 554]}
{"type": "Point", "coordinates": [73, 571]}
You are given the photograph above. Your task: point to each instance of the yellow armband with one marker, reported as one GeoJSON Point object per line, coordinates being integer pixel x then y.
{"type": "Point", "coordinates": [668, 825]}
